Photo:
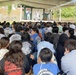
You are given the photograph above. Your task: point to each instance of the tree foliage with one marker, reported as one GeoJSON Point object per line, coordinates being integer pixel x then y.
{"type": "Point", "coordinates": [68, 12]}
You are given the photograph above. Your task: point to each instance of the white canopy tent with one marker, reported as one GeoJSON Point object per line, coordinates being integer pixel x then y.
{"type": "Point", "coordinates": [45, 4]}
{"type": "Point", "coordinates": [38, 3]}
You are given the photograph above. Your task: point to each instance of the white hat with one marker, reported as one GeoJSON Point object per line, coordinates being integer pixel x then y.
{"type": "Point", "coordinates": [15, 37]}
{"type": "Point", "coordinates": [72, 26]}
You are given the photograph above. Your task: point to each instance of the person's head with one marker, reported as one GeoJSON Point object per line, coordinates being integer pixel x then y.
{"type": "Point", "coordinates": [4, 42]}
{"type": "Point", "coordinates": [15, 37]}
{"type": "Point", "coordinates": [63, 38]}
{"type": "Point", "coordinates": [54, 24]}
{"type": "Point", "coordinates": [72, 26]}
{"type": "Point", "coordinates": [48, 37]}
{"type": "Point", "coordinates": [15, 54]}
{"type": "Point", "coordinates": [15, 47]}
{"type": "Point", "coordinates": [55, 29]}
{"type": "Point", "coordinates": [27, 30]}
{"type": "Point", "coordinates": [39, 26]}
{"type": "Point", "coordinates": [70, 45]}
{"type": "Point", "coordinates": [64, 29]}
{"type": "Point", "coordinates": [45, 55]}
{"type": "Point", "coordinates": [7, 24]}
{"type": "Point", "coordinates": [59, 23]}
{"type": "Point", "coordinates": [71, 31]}
{"type": "Point", "coordinates": [25, 36]}
{"type": "Point", "coordinates": [17, 27]}
{"type": "Point", "coordinates": [34, 30]}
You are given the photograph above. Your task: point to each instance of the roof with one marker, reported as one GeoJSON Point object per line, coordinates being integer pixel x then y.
{"type": "Point", "coordinates": [37, 3]}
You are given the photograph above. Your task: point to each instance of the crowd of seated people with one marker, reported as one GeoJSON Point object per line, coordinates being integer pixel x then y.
{"type": "Point", "coordinates": [28, 47]}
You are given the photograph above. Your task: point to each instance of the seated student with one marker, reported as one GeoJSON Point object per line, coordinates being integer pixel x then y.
{"type": "Point", "coordinates": [15, 62]}
{"type": "Point", "coordinates": [71, 34]}
{"type": "Point", "coordinates": [65, 30]}
{"type": "Point", "coordinates": [60, 49]}
{"type": "Point", "coordinates": [47, 43]}
{"type": "Point", "coordinates": [59, 25]}
{"type": "Point", "coordinates": [56, 35]}
{"type": "Point", "coordinates": [28, 45]}
{"type": "Point", "coordinates": [68, 62]}
{"type": "Point", "coordinates": [45, 66]}
{"type": "Point", "coordinates": [4, 43]}
{"type": "Point", "coordinates": [35, 38]}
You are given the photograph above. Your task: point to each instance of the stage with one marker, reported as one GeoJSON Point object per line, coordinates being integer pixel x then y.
{"type": "Point", "coordinates": [36, 21]}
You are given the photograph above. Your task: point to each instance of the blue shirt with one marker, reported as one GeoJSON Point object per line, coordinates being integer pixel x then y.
{"type": "Point", "coordinates": [45, 44]}
{"type": "Point", "coordinates": [35, 40]}
{"type": "Point", "coordinates": [53, 68]}
{"type": "Point", "coordinates": [68, 63]}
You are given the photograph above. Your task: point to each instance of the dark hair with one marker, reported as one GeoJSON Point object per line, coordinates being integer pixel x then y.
{"type": "Point", "coordinates": [17, 27]}
{"type": "Point", "coordinates": [8, 24]}
{"type": "Point", "coordinates": [15, 54]}
{"type": "Point", "coordinates": [25, 36]}
{"type": "Point", "coordinates": [59, 23]}
{"type": "Point", "coordinates": [4, 42]}
{"type": "Point", "coordinates": [27, 29]}
{"type": "Point", "coordinates": [1, 31]}
{"type": "Point", "coordinates": [48, 37]}
{"type": "Point", "coordinates": [45, 55]}
{"type": "Point", "coordinates": [62, 38]}
{"type": "Point", "coordinates": [35, 29]}
{"type": "Point", "coordinates": [55, 29]}
{"type": "Point", "coordinates": [71, 31]}
{"type": "Point", "coordinates": [70, 44]}
{"type": "Point", "coordinates": [54, 24]}
{"type": "Point", "coordinates": [39, 26]}
{"type": "Point", "coordinates": [15, 47]}
{"type": "Point", "coordinates": [64, 29]}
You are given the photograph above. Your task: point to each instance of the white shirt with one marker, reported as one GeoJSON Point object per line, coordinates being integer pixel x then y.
{"type": "Point", "coordinates": [3, 52]}
{"type": "Point", "coordinates": [2, 35]}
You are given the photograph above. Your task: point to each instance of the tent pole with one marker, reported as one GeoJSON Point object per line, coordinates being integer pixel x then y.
{"type": "Point", "coordinates": [20, 12]}
{"type": "Point", "coordinates": [59, 14]}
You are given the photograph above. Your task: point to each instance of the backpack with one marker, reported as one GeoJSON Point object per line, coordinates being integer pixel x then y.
{"type": "Point", "coordinates": [26, 49]}
{"type": "Point", "coordinates": [12, 69]}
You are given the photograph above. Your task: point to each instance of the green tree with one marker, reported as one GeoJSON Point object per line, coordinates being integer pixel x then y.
{"type": "Point", "coordinates": [68, 12]}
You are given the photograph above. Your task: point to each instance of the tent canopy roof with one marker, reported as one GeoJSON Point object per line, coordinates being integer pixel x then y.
{"type": "Point", "coordinates": [39, 3]}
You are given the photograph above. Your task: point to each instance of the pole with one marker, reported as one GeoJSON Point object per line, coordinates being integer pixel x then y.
{"type": "Point", "coordinates": [20, 12]}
